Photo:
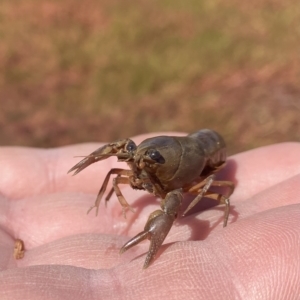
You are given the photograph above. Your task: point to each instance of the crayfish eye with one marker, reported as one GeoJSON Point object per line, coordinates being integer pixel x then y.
{"type": "Point", "coordinates": [131, 146]}
{"type": "Point", "coordinates": [156, 156]}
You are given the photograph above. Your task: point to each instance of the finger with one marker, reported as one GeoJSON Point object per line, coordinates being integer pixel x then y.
{"type": "Point", "coordinates": [30, 171]}
{"type": "Point", "coordinates": [42, 219]}
{"type": "Point", "coordinates": [90, 251]}
{"type": "Point", "coordinates": [261, 168]}
{"type": "Point", "coordinates": [234, 263]}
{"type": "Point", "coordinates": [27, 171]}
{"type": "Point", "coordinates": [46, 282]}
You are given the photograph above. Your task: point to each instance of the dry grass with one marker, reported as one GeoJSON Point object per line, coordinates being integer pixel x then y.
{"type": "Point", "coordinates": [99, 70]}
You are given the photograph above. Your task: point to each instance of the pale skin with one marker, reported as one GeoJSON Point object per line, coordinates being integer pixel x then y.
{"type": "Point", "coordinates": [72, 255]}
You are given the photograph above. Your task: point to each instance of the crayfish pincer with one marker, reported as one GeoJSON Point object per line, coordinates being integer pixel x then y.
{"type": "Point", "coordinates": [166, 166]}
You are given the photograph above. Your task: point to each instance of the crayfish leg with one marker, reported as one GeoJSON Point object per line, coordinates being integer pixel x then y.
{"type": "Point", "coordinates": [222, 200]}
{"type": "Point", "coordinates": [125, 205]}
{"type": "Point", "coordinates": [203, 189]}
{"type": "Point", "coordinates": [203, 186]}
{"type": "Point", "coordinates": [115, 188]}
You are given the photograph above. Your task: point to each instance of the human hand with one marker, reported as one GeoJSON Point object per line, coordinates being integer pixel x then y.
{"type": "Point", "coordinates": [72, 255]}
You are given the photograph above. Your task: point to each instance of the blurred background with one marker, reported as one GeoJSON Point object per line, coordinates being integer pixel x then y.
{"type": "Point", "coordinates": [97, 70]}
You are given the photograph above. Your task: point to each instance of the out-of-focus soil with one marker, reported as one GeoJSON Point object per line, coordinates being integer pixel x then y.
{"type": "Point", "coordinates": [49, 98]}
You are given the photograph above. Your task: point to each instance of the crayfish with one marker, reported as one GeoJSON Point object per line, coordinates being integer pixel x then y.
{"type": "Point", "coordinates": [166, 166]}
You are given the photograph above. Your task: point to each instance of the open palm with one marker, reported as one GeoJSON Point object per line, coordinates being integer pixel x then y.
{"type": "Point", "coordinates": [74, 255]}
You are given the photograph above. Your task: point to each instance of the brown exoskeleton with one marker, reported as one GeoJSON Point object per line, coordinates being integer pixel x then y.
{"type": "Point", "coordinates": [166, 166]}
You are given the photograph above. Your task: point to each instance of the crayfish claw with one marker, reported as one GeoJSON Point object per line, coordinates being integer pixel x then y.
{"type": "Point", "coordinates": [158, 226]}
{"type": "Point", "coordinates": [122, 149]}
{"type": "Point", "coordinates": [95, 156]}
{"type": "Point", "coordinates": [134, 241]}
